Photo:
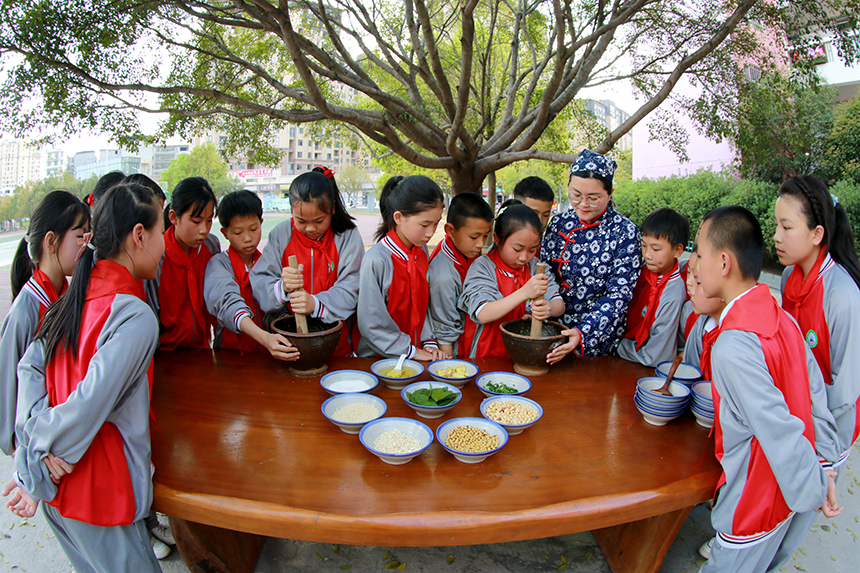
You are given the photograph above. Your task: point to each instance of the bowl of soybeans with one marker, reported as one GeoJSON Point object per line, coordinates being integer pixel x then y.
{"type": "Point", "coordinates": [471, 440]}
{"type": "Point", "coordinates": [350, 412]}
{"type": "Point", "coordinates": [396, 440]}
{"type": "Point", "coordinates": [513, 413]}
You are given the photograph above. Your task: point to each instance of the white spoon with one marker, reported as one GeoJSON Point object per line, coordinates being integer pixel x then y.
{"type": "Point", "coordinates": [395, 372]}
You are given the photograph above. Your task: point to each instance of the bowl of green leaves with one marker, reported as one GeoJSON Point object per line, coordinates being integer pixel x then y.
{"type": "Point", "coordinates": [431, 399]}
{"type": "Point", "coordinates": [503, 384]}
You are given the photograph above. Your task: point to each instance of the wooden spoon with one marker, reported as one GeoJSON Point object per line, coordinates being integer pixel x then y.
{"type": "Point", "coordinates": [537, 325]}
{"type": "Point", "coordinates": [664, 389]}
{"type": "Point", "coordinates": [301, 319]}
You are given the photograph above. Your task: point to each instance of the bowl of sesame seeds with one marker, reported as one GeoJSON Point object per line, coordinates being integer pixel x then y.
{"type": "Point", "coordinates": [471, 440]}
{"type": "Point", "coordinates": [396, 440]}
{"type": "Point", "coordinates": [350, 412]}
{"type": "Point", "coordinates": [513, 413]}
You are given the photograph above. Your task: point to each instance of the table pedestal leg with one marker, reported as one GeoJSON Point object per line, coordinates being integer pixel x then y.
{"type": "Point", "coordinates": [640, 546]}
{"type": "Point", "coordinates": [208, 549]}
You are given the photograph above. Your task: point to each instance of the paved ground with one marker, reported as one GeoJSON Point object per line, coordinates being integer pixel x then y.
{"type": "Point", "coordinates": [831, 547]}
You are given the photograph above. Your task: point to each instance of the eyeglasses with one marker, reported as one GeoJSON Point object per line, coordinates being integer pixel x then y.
{"type": "Point", "coordinates": [590, 200]}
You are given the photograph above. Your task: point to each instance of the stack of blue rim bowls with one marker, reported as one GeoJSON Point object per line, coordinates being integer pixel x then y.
{"type": "Point", "coordinates": [686, 374]}
{"type": "Point", "coordinates": [702, 404]}
{"type": "Point", "coordinates": [658, 409]}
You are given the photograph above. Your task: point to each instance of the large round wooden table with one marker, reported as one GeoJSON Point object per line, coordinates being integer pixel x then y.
{"type": "Point", "coordinates": [242, 451]}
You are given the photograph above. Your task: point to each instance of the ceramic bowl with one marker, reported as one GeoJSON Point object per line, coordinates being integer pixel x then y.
{"type": "Point", "coordinates": [438, 365]}
{"type": "Point", "coordinates": [686, 373]}
{"type": "Point", "coordinates": [412, 368]}
{"type": "Point", "coordinates": [489, 426]}
{"type": "Point", "coordinates": [529, 354]}
{"type": "Point", "coordinates": [661, 409]}
{"type": "Point", "coordinates": [653, 400]}
{"type": "Point", "coordinates": [703, 391]}
{"type": "Point", "coordinates": [680, 392]}
{"type": "Point", "coordinates": [348, 382]}
{"type": "Point", "coordinates": [430, 411]}
{"type": "Point", "coordinates": [512, 429]}
{"type": "Point", "coordinates": [703, 419]}
{"type": "Point", "coordinates": [315, 348]}
{"type": "Point", "coordinates": [372, 430]}
{"type": "Point", "coordinates": [521, 383]}
{"type": "Point", "coordinates": [333, 404]}
{"type": "Point", "coordinates": [655, 419]}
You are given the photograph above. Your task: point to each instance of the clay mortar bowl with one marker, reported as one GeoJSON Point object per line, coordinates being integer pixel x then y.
{"type": "Point", "coordinates": [529, 354]}
{"type": "Point", "coordinates": [315, 348]}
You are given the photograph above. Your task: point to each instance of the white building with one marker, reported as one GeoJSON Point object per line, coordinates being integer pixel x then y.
{"type": "Point", "coordinates": [19, 163]}
{"type": "Point", "coordinates": [611, 116]}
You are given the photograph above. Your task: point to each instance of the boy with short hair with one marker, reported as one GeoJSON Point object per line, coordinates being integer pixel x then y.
{"type": "Point", "coordinates": [467, 227]}
{"type": "Point", "coordinates": [771, 411]}
{"type": "Point", "coordinates": [535, 193]}
{"type": "Point", "coordinates": [227, 286]}
{"type": "Point", "coordinates": [655, 311]}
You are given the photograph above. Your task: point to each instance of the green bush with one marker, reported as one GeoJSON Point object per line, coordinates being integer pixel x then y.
{"type": "Point", "coordinates": [848, 193]}
{"type": "Point", "coordinates": [760, 198]}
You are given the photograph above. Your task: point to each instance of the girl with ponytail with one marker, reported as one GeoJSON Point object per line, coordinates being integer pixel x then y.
{"type": "Point", "coordinates": [394, 294]}
{"type": "Point", "coordinates": [328, 247]}
{"type": "Point", "coordinates": [83, 427]}
{"type": "Point", "coordinates": [821, 290]}
{"type": "Point", "coordinates": [45, 257]}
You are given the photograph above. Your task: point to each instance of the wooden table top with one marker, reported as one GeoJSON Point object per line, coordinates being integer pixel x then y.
{"type": "Point", "coordinates": [241, 444]}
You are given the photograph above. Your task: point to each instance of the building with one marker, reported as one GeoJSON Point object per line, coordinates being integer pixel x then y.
{"type": "Point", "coordinates": [19, 163]}
{"type": "Point", "coordinates": [55, 162]}
{"type": "Point", "coordinates": [611, 116]}
{"type": "Point", "coordinates": [108, 160]}
{"type": "Point", "coordinates": [155, 159]}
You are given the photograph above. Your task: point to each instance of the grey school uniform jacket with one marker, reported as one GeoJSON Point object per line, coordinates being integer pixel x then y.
{"type": "Point", "coordinates": [693, 346]}
{"type": "Point", "coordinates": [379, 333]}
{"type": "Point", "coordinates": [115, 389]}
{"type": "Point", "coordinates": [19, 329]}
{"type": "Point", "coordinates": [842, 313]}
{"type": "Point", "coordinates": [480, 288]}
{"type": "Point", "coordinates": [754, 419]}
{"type": "Point", "coordinates": [445, 288]}
{"type": "Point", "coordinates": [337, 303]}
{"type": "Point", "coordinates": [662, 342]}
{"type": "Point", "coordinates": [223, 297]}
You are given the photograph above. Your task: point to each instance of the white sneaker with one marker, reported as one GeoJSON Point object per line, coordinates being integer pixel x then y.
{"type": "Point", "coordinates": [163, 533]}
{"type": "Point", "coordinates": [705, 549]}
{"type": "Point", "coordinates": [160, 549]}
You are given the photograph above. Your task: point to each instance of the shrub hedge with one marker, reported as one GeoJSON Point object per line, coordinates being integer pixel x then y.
{"type": "Point", "coordinates": [696, 194]}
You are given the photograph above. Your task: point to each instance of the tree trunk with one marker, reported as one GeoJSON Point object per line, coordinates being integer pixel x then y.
{"type": "Point", "coordinates": [464, 179]}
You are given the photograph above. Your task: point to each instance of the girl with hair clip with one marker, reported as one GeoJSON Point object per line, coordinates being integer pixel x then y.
{"type": "Point", "coordinates": [45, 257]}
{"type": "Point", "coordinates": [84, 396]}
{"type": "Point", "coordinates": [394, 293]}
{"type": "Point", "coordinates": [500, 285]}
{"type": "Point", "coordinates": [326, 242]}
{"type": "Point", "coordinates": [176, 294]}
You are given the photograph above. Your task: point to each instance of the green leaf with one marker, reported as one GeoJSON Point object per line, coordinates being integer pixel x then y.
{"type": "Point", "coordinates": [392, 564]}
{"type": "Point", "coordinates": [450, 559]}
{"type": "Point", "coordinates": [386, 556]}
{"type": "Point", "coordinates": [402, 566]}
{"type": "Point", "coordinates": [345, 567]}
{"type": "Point", "coordinates": [561, 567]}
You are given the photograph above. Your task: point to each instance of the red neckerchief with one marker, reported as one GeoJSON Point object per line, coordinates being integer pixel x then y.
{"type": "Point", "coordinates": [99, 491]}
{"type": "Point", "coordinates": [242, 341]}
{"type": "Point", "coordinates": [804, 300]}
{"type": "Point", "coordinates": [409, 292]}
{"type": "Point", "coordinates": [44, 281]}
{"type": "Point", "coordinates": [180, 295]}
{"type": "Point", "coordinates": [509, 281]}
{"type": "Point", "coordinates": [784, 350]}
{"type": "Point", "coordinates": [688, 326]}
{"type": "Point", "coordinates": [646, 299]}
{"type": "Point", "coordinates": [319, 259]}
{"type": "Point", "coordinates": [462, 264]}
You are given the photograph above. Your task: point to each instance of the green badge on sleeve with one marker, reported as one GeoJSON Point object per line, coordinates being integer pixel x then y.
{"type": "Point", "coordinates": [811, 338]}
{"type": "Point", "coordinates": [644, 311]}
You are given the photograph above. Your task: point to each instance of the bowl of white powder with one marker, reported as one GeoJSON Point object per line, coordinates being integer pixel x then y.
{"type": "Point", "coordinates": [348, 382]}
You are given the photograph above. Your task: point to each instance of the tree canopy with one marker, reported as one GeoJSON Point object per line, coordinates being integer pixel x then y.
{"type": "Point", "coordinates": [203, 161]}
{"type": "Point", "coordinates": [466, 87]}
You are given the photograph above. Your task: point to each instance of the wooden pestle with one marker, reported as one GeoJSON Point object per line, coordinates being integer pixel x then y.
{"type": "Point", "coordinates": [537, 325]}
{"type": "Point", "coordinates": [301, 319]}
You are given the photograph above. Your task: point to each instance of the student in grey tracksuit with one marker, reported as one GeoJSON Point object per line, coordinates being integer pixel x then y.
{"type": "Point", "coordinates": [662, 343]}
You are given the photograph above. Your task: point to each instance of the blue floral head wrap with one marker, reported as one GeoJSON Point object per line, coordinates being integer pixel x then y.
{"type": "Point", "coordinates": [588, 160]}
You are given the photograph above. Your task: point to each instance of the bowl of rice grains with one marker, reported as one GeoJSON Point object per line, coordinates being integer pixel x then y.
{"type": "Point", "coordinates": [396, 440]}
{"type": "Point", "coordinates": [513, 413]}
{"type": "Point", "coordinates": [350, 412]}
{"type": "Point", "coordinates": [471, 440]}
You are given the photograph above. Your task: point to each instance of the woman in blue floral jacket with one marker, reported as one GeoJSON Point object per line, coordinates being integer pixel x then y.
{"type": "Point", "coordinates": [595, 253]}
